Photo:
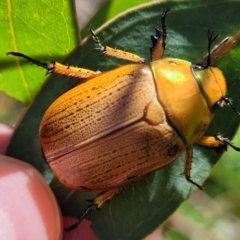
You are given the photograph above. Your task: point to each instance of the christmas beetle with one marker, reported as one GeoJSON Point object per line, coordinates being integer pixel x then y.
{"type": "Point", "coordinates": [116, 127]}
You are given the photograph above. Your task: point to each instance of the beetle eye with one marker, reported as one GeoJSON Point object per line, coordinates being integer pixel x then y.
{"type": "Point", "coordinates": [198, 66]}
{"type": "Point", "coordinates": [220, 103]}
{"type": "Point", "coordinates": [216, 106]}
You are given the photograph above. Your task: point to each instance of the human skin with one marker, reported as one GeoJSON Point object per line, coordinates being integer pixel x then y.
{"type": "Point", "coordinates": [28, 208]}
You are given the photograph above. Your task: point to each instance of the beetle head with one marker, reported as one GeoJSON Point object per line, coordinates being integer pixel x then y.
{"type": "Point", "coordinates": [212, 84]}
{"type": "Point", "coordinates": [210, 79]}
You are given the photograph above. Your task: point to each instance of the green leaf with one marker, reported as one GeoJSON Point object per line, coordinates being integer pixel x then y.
{"type": "Point", "coordinates": [141, 207]}
{"type": "Point", "coordinates": [42, 29]}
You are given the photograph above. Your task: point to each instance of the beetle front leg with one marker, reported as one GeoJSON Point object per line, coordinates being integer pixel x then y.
{"type": "Point", "coordinates": [187, 166]}
{"type": "Point", "coordinates": [58, 68]}
{"type": "Point", "coordinates": [156, 51]}
{"type": "Point", "coordinates": [113, 52]}
{"type": "Point", "coordinates": [211, 142]}
{"type": "Point", "coordinates": [217, 143]}
{"type": "Point", "coordinates": [159, 40]}
{"type": "Point", "coordinates": [96, 203]}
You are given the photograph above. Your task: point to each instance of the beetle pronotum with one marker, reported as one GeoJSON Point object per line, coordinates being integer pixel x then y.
{"type": "Point", "coordinates": [118, 126]}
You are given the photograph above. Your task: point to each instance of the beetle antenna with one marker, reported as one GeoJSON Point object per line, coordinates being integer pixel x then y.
{"type": "Point", "coordinates": [211, 39]}
{"type": "Point", "coordinates": [207, 61]}
{"type": "Point", "coordinates": [48, 66]}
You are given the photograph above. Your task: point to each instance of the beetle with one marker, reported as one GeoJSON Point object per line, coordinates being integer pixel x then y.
{"type": "Point", "coordinates": [116, 127]}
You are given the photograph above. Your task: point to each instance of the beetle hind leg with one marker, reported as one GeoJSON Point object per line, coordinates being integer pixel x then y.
{"type": "Point", "coordinates": [96, 203]}
{"type": "Point", "coordinates": [187, 167]}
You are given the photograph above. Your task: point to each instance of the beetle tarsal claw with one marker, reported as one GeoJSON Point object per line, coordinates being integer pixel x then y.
{"type": "Point", "coordinates": [194, 183]}
{"type": "Point", "coordinates": [99, 46]}
{"type": "Point", "coordinates": [227, 142]}
{"type": "Point", "coordinates": [97, 203]}
{"type": "Point", "coordinates": [48, 66]}
{"type": "Point", "coordinates": [91, 207]}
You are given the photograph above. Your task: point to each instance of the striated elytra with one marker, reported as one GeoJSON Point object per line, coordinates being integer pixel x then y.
{"type": "Point", "coordinates": [116, 127]}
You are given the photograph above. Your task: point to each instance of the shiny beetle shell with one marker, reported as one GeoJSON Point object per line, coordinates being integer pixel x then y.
{"type": "Point", "coordinates": [114, 128]}
{"type": "Point", "coordinates": [121, 125]}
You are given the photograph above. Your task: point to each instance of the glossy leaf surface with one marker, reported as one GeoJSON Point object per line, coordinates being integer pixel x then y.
{"type": "Point", "coordinates": [37, 28]}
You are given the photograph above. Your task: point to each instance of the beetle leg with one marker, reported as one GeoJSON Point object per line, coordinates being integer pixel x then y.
{"type": "Point", "coordinates": [187, 166]}
{"type": "Point", "coordinates": [212, 142]}
{"type": "Point", "coordinates": [71, 71]}
{"type": "Point", "coordinates": [112, 52]}
{"type": "Point", "coordinates": [58, 68]}
{"type": "Point", "coordinates": [88, 209]}
{"type": "Point", "coordinates": [159, 40]}
{"type": "Point", "coordinates": [217, 143]}
{"type": "Point", "coordinates": [97, 203]}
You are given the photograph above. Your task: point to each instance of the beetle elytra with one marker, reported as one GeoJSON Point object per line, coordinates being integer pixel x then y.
{"type": "Point", "coordinates": [118, 126]}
